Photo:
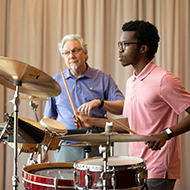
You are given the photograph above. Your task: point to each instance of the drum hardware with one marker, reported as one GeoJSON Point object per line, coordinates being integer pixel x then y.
{"type": "Point", "coordinates": [30, 160]}
{"type": "Point", "coordinates": [106, 175]}
{"type": "Point", "coordinates": [34, 107]}
{"type": "Point", "coordinates": [49, 139]}
{"type": "Point", "coordinates": [6, 128]}
{"type": "Point", "coordinates": [24, 78]}
{"type": "Point", "coordinates": [113, 179]}
{"type": "Point", "coordinates": [87, 150]}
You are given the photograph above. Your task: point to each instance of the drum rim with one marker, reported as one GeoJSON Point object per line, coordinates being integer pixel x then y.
{"type": "Point", "coordinates": [97, 167]}
{"type": "Point", "coordinates": [27, 176]}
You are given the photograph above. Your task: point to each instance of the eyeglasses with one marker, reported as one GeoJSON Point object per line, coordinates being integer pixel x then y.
{"type": "Point", "coordinates": [124, 44]}
{"type": "Point", "coordinates": [74, 51]}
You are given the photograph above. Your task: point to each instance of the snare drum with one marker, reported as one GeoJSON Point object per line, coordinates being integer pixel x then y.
{"type": "Point", "coordinates": [58, 175]}
{"type": "Point", "coordinates": [123, 173]}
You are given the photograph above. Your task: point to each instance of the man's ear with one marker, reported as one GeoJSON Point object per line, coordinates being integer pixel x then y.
{"type": "Point", "coordinates": [144, 49]}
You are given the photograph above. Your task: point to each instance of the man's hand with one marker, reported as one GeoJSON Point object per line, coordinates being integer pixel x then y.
{"type": "Point", "coordinates": [157, 145]}
{"type": "Point", "coordinates": [86, 108]}
{"type": "Point", "coordinates": [84, 119]}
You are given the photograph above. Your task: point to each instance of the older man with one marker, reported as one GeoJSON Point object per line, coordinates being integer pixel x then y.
{"type": "Point", "coordinates": [85, 84]}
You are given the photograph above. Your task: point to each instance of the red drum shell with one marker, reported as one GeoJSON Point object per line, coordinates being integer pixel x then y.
{"type": "Point", "coordinates": [130, 172]}
{"type": "Point", "coordinates": [32, 181]}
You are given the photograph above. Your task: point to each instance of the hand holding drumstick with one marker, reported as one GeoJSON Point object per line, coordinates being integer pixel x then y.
{"type": "Point", "coordinates": [121, 125]}
{"type": "Point", "coordinates": [70, 98]}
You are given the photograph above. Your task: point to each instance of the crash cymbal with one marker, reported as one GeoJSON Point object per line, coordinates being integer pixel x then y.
{"type": "Point", "coordinates": [33, 81]}
{"type": "Point", "coordinates": [33, 98]}
{"type": "Point", "coordinates": [103, 138]}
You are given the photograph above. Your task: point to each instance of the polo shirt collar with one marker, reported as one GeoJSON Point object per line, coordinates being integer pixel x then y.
{"type": "Point", "coordinates": [87, 73]}
{"type": "Point", "coordinates": [145, 72]}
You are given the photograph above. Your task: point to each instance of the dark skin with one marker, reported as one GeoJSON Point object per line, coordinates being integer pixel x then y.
{"type": "Point", "coordinates": [181, 127]}
{"type": "Point", "coordinates": [138, 58]}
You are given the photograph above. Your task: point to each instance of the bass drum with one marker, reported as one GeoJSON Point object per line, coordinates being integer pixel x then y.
{"type": "Point", "coordinates": [122, 173]}
{"type": "Point", "coordinates": [48, 176]}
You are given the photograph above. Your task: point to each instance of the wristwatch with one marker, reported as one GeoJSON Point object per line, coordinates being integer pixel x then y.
{"type": "Point", "coordinates": [168, 132]}
{"type": "Point", "coordinates": [102, 103]}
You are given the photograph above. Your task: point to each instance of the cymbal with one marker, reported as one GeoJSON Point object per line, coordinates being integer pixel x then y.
{"type": "Point", "coordinates": [34, 98]}
{"type": "Point", "coordinates": [83, 144]}
{"type": "Point", "coordinates": [103, 137]}
{"type": "Point", "coordinates": [34, 81]}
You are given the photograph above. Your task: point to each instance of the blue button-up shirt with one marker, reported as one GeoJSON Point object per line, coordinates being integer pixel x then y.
{"type": "Point", "coordinates": [93, 84]}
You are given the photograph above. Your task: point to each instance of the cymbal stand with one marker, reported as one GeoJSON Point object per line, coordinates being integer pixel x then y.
{"type": "Point", "coordinates": [34, 107]}
{"type": "Point", "coordinates": [15, 101]}
{"type": "Point", "coordinates": [87, 150]}
{"type": "Point", "coordinates": [106, 175]}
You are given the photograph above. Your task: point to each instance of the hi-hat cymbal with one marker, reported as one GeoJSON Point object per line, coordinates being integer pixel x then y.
{"type": "Point", "coordinates": [33, 98]}
{"type": "Point", "coordinates": [33, 81]}
{"type": "Point", "coordinates": [113, 137]}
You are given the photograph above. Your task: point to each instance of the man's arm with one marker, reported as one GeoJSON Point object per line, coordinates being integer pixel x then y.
{"type": "Point", "coordinates": [114, 107]}
{"type": "Point", "coordinates": [180, 128]}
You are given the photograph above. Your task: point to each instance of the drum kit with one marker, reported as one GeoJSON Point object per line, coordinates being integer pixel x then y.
{"type": "Point", "coordinates": [104, 172]}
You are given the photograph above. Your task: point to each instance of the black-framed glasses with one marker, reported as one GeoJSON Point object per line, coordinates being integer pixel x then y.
{"type": "Point", "coordinates": [124, 44]}
{"type": "Point", "coordinates": [74, 51]}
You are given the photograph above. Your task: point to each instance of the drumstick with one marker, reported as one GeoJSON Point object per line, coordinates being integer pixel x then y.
{"type": "Point", "coordinates": [70, 98]}
{"type": "Point", "coordinates": [122, 125]}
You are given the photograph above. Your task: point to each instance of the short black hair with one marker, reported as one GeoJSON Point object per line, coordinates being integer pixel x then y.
{"type": "Point", "coordinates": [146, 34]}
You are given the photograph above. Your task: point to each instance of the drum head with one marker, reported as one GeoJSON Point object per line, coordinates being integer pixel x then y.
{"type": "Point", "coordinates": [116, 162]}
{"type": "Point", "coordinates": [34, 123]}
{"type": "Point", "coordinates": [53, 125]}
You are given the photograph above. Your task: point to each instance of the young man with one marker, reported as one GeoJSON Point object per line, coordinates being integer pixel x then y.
{"type": "Point", "coordinates": [154, 99]}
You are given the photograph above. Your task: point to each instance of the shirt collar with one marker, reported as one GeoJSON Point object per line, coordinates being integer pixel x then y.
{"type": "Point", "coordinates": [145, 72]}
{"type": "Point", "coordinates": [87, 73]}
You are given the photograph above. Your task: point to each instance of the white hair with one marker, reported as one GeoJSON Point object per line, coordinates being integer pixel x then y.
{"type": "Point", "coordinates": [72, 37]}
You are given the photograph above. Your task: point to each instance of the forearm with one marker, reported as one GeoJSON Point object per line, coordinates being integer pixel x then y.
{"type": "Point", "coordinates": [182, 127]}
{"type": "Point", "coordinates": [114, 107]}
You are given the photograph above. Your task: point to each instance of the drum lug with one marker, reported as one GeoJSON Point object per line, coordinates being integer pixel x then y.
{"type": "Point", "coordinates": [105, 175]}
{"type": "Point", "coordinates": [139, 178]}
{"type": "Point", "coordinates": [75, 178]}
{"type": "Point", "coordinates": [56, 181]}
{"type": "Point", "coordinates": [87, 180]}
{"type": "Point", "coordinates": [113, 180]}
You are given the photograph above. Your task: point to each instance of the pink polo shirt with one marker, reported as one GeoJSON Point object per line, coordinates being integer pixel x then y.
{"type": "Point", "coordinates": [154, 99]}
